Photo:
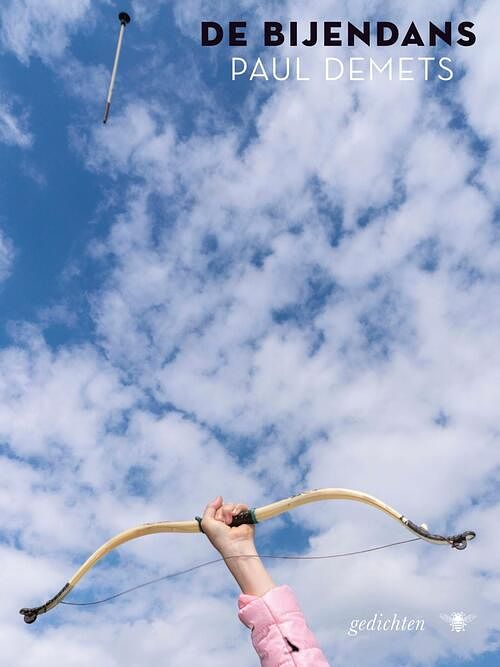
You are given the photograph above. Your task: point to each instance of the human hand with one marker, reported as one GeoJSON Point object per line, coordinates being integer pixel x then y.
{"type": "Point", "coordinates": [228, 541]}
{"type": "Point", "coordinates": [236, 545]}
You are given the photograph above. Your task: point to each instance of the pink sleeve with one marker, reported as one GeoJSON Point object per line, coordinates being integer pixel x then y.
{"type": "Point", "coordinates": [279, 631]}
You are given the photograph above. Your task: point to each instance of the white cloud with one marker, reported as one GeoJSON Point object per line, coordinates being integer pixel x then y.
{"type": "Point", "coordinates": [481, 97]}
{"type": "Point", "coordinates": [32, 28]}
{"type": "Point", "coordinates": [12, 128]}
{"type": "Point", "coordinates": [7, 255]}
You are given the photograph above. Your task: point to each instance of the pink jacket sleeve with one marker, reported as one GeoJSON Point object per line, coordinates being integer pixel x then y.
{"type": "Point", "coordinates": [279, 631]}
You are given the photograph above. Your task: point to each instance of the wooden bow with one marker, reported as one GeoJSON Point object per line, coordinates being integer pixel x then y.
{"type": "Point", "coordinates": [247, 517]}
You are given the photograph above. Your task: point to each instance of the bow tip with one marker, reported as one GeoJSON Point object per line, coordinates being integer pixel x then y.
{"type": "Point", "coordinates": [30, 615]}
{"type": "Point", "coordinates": [460, 541]}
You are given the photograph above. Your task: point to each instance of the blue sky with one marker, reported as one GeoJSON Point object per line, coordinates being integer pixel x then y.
{"type": "Point", "coordinates": [245, 288]}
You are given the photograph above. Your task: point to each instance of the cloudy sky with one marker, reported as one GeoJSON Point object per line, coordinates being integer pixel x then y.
{"type": "Point", "coordinates": [252, 289]}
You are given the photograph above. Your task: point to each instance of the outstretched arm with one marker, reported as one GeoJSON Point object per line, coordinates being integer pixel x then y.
{"type": "Point", "coordinates": [236, 546]}
{"type": "Point", "coordinates": [279, 631]}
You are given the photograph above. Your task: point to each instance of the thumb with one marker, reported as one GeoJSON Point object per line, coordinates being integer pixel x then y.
{"type": "Point", "coordinates": [212, 508]}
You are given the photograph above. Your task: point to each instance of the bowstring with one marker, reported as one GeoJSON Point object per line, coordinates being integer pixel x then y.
{"type": "Point", "coordinates": [220, 560]}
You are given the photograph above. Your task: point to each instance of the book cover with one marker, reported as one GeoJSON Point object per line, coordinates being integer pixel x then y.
{"type": "Point", "coordinates": [249, 251]}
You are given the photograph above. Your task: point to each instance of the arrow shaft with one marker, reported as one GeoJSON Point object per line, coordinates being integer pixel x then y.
{"type": "Point", "coordinates": [113, 72]}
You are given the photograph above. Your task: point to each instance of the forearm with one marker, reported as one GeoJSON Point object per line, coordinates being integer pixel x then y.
{"type": "Point", "coordinates": [236, 545]}
{"type": "Point", "coordinates": [250, 573]}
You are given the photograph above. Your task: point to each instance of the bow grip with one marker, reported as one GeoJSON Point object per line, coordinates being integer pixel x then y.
{"type": "Point", "coordinates": [245, 517]}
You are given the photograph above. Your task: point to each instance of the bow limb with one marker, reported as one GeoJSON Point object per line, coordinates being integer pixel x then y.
{"type": "Point", "coordinates": [247, 517]}
{"type": "Point", "coordinates": [31, 614]}
{"type": "Point", "coordinates": [274, 509]}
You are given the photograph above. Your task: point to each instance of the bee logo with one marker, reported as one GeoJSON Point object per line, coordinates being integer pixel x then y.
{"type": "Point", "coordinates": [458, 620]}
